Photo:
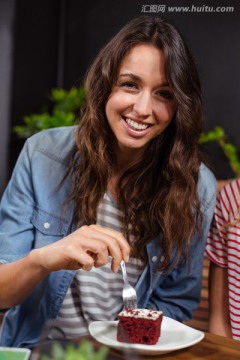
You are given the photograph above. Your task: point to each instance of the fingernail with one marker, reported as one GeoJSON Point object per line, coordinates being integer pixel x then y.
{"type": "Point", "coordinates": [126, 258]}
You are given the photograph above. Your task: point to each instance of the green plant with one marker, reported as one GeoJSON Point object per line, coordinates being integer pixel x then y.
{"type": "Point", "coordinates": [83, 351]}
{"type": "Point", "coordinates": [65, 106]}
{"type": "Point", "coordinates": [230, 150]}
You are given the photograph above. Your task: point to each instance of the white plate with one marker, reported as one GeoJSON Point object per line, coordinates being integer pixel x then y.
{"type": "Point", "coordinates": [174, 336]}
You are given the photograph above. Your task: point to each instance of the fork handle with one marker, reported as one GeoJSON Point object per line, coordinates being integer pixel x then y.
{"type": "Point", "coordinates": [124, 272]}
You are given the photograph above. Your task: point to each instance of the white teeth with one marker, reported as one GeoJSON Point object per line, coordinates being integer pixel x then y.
{"type": "Point", "coordinates": [135, 125]}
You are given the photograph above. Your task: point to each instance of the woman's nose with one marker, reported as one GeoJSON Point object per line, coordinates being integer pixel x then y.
{"type": "Point", "coordinates": [143, 104]}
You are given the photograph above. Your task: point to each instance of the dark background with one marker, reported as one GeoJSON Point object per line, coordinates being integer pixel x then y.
{"type": "Point", "coordinates": [54, 42]}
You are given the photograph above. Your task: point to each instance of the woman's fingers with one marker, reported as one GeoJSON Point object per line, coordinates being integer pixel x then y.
{"type": "Point", "coordinates": [114, 244]}
{"type": "Point", "coordinates": [86, 247]}
{"type": "Point", "coordinates": [122, 242]}
{"type": "Point", "coordinates": [85, 261]}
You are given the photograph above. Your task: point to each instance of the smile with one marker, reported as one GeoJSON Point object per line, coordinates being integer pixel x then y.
{"type": "Point", "coordinates": [135, 125]}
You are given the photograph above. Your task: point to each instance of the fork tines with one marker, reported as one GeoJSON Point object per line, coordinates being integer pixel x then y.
{"type": "Point", "coordinates": [129, 293]}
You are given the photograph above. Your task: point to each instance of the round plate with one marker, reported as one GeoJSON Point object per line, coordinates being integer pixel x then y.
{"type": "Point", "coordinates": [174, 336]}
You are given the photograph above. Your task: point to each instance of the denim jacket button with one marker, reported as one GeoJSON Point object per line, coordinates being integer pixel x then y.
{"type": "Point", "coordinates": [46, 225]}
{"type": "Point", "coordinates": [154, 258]}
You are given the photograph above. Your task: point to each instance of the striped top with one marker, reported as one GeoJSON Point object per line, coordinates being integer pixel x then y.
{"type": "Point", "coordinates": [223, 246]}
{"type": "Point", "coordinates": [96, 294]}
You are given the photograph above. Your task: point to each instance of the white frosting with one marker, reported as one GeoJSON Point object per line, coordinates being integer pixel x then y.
{"type": "Point", "coordinates": [142, 314]}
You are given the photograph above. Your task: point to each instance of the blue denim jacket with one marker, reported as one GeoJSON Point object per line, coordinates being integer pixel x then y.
{"type": "Point", "coordinates": [31, 216]}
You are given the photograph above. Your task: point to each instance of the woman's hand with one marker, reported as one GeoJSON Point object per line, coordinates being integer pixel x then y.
{"type": "Point", "coordinates": [84, 248]}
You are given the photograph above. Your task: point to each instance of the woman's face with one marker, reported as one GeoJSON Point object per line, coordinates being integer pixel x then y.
{"type": "Point", "coordinates": [141, 104]}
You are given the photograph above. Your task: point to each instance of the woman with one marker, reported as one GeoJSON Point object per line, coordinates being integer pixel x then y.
{"type": "Point", "coordinates": [223, 249]}
{"type": "Point", "coordinates": [127, 183]}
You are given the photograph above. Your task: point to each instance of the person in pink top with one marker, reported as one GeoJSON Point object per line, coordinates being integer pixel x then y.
{"type": "Point", "coordinates": [223, 249]}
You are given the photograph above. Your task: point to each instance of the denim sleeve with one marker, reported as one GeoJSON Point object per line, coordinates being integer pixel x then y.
{"type": "Point", "coordinates": [16, 230]}
{"type": "Point", "coordinates": [178, 293]}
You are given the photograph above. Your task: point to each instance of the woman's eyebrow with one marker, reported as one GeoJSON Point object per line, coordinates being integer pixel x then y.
{"type": "Point", "coordinates": [138, 78]}
{"type": "Point", "coordinates": [131, 75]}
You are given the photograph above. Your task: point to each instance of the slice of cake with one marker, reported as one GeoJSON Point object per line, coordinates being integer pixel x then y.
{"type": "Point", "coordinates": [139, 326]}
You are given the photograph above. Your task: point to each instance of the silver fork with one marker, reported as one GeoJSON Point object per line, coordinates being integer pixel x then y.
{"type": "Point", "coordinates": [129, 293]}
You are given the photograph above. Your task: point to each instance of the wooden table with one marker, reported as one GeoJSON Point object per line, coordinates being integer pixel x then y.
{"type": "Point", "coordinates": [212, 347]}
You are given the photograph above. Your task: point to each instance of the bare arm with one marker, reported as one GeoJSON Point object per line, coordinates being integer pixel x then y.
{"type": "Point", "coordinates": [219, 320]}
{"type": "Point", "coordinates": [18, 279]}
{"type": "Point", "coordinates": [86, 247]}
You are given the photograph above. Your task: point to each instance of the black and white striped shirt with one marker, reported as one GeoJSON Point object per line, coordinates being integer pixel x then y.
{"type": "Point", "coordinates": [97, 294]}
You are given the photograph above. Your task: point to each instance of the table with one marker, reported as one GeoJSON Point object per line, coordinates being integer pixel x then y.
{"type": "Point", "coordinates": [212, 347]}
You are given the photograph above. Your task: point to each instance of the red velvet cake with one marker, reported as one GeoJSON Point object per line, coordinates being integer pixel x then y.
{"type": "Point", "coordinates": [139, 326]}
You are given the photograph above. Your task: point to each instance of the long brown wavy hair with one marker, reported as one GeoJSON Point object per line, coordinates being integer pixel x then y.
{"type": "Point", "coordinates": [159, 192]}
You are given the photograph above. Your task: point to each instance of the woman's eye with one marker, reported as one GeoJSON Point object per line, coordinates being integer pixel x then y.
{"type": "Point", "coordinates": [129, 85]}
{"type": "Point", "coordinates": [167, 95]}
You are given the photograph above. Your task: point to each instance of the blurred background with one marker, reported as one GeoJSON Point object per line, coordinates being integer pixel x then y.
{"type": "Point", "coordinates": [50, 44]}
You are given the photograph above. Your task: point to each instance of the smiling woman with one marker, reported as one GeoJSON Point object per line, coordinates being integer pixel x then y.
{"type": "Point", "coordinates": [141, 104]}
{"type": "Point", "coordinates": [128, 183]}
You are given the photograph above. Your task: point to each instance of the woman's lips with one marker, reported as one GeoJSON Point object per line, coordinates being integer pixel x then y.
{"type": "Point", "coordinates": [135, 128]}
{"type": "Point", "coordinates": [136, 125]}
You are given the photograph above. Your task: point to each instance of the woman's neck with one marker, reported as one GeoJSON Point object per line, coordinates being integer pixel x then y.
{"type": "Point", "coordinates": [127, 157]}
{"type": "Point", "coordinates": [112, 186]}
